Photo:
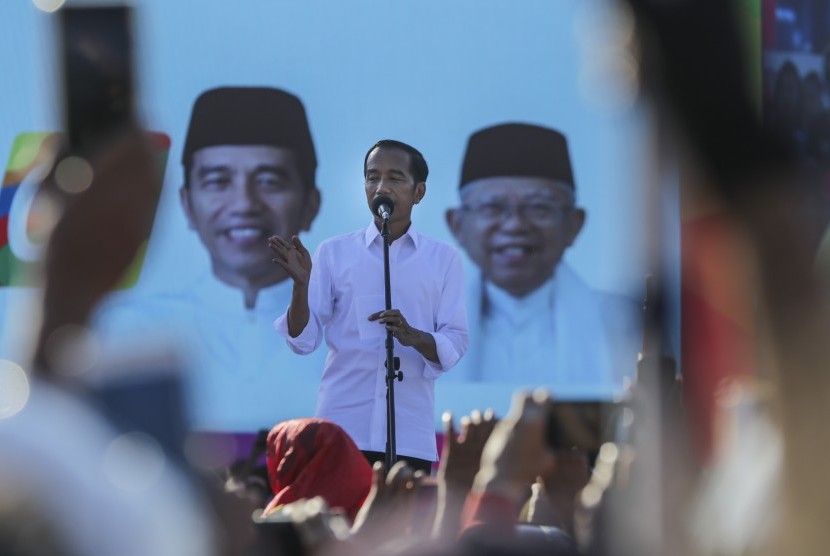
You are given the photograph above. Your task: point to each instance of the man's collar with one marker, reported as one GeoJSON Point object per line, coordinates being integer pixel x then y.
{"type": "Point", "coordinates": [372, 233]}
{"type": "Point", "coordinates": [221, 295]}
{"type": "Point", "coordinates": [540, 297]}
{"type": "Point", "coordinates": [491, 297]}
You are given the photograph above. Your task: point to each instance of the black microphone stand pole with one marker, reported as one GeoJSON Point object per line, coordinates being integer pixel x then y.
{"type": "Point", "coordinates": [393, 364]}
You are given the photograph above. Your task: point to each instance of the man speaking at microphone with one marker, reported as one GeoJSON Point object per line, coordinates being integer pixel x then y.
{"type": "Point", "coordinates": [338, 294]}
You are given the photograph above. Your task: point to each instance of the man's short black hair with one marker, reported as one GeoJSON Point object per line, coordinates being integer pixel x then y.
{"type": "Point", "coordinates": [417, 165]}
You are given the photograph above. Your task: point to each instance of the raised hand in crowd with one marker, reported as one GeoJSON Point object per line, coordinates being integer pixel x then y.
{"type": "Point", "coordinates": [388, 510]}
{"type": "Point", "coordinates": [553, 496]}
{"type": "Point", "coordinates": [460, 461]}
{"type": "Point", "coordinates": [517, 452]}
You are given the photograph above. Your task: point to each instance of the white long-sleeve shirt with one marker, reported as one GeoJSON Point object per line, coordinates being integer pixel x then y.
{"type": "Point", "coordinates": [346, 286]}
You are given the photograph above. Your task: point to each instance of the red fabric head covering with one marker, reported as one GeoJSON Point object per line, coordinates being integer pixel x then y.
{"type": "Point", "coordinates": [315, 457]}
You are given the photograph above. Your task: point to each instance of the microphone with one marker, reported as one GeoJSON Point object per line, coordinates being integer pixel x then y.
{"type": "Point", "coordinates": [383, 206]}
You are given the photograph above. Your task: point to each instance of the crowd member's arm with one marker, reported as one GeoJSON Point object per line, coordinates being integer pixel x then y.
{"type": "Point", "coordinates": [513, 457]}
{"type": "Point", "coordinates": [554, 495]}
{"type": "Point", "coordinates": [460, 461]}
{"type": "Point", "coordinates": [387, 512]}
{"type": "Point", "coordinates": [81, 264]}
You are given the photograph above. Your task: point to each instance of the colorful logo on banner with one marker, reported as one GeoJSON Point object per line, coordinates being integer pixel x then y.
{"type": "Point", "coordinates": [21, 229]}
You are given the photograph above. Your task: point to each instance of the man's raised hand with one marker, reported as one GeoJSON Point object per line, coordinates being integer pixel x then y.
{"type": "Point", "coordinates": [293, 257]}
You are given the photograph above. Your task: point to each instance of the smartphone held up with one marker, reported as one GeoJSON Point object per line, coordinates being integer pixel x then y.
{"type": "Point", "coordinates": [98, 73]}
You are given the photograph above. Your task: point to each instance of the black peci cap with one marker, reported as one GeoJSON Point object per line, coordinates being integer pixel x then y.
{"type": "Point", "coordinates": [251, 116]}
{"type": "Point", "coordinates": [517, 150]}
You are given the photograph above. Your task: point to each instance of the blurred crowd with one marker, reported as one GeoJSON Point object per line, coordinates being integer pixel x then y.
{"type": "Point", "coordinates": [105, 465]}
{"type": "Point", "coordinates": [798, 109]}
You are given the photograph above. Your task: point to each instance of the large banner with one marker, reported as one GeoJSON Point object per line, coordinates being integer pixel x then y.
{"type": "Point", "coordinates": [526, 114]}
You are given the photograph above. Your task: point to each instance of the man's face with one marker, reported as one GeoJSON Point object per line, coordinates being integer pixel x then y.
{"type": "Point", "coordinates": [388, 172]}
{"type": "Point", "coordinates": [239, 196]}
{"type": "Point", "coordinates": [516, 229]}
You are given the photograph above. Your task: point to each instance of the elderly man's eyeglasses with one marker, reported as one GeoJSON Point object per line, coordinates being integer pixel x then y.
{"type": "Point", "coordinates": [537, 212]}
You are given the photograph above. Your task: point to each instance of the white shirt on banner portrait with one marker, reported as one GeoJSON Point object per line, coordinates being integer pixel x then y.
{"type": "Point", "coordinates": [575, 340]}
{"type": "Point", "coordinates": [240, 378]}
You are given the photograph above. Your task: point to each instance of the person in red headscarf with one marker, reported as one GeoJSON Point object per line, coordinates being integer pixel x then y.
{"type": "Point", "coordinates": [315, 457]}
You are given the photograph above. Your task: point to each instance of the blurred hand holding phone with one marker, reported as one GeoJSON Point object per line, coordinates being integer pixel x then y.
{"type": "Point", "coordinates": [101, 195]}
{"type": "Point", "coordinates": [102, 191]}
{"type": "Point", "coordinates": [583, 425]}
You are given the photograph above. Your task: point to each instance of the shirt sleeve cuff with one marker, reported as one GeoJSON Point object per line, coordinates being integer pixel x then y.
{"type": "Point", "coordinates": [307, 341]}
{"type": "Point", "coordinates": [447, 356]}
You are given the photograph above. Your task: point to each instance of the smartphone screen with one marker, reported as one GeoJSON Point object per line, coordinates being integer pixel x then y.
{"type": "Point", "coordinates": [149, 400]}
{"type": "Point", "coordinates": [97, 71]}
{"type": "Point", "coordinates": [582, 425]}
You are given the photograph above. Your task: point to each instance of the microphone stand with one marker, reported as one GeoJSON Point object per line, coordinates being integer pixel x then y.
{"type": "Point", "coordinates": [393, 364]}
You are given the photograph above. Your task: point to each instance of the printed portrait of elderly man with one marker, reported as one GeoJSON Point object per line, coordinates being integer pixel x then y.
{"type": "Point", "coordinates": [533, 319]}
